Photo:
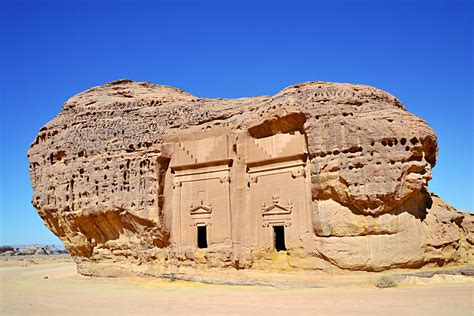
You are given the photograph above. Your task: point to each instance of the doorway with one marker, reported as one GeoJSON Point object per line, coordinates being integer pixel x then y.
{"type": "Point", "coordinates": [279, 238]}
{"type": "Point", "coordinates": [201, 236]}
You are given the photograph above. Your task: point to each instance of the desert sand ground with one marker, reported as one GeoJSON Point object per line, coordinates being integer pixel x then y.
{"type": "Point", "coordinates": [51, 286]}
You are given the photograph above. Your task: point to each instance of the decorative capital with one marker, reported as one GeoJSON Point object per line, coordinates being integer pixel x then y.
{"type": "Point", "coordinates": [251, 178]}
{"type": "Point", "coordinates": [298, 173]}
{"type": "Point", "coordinates": [177, 184]}
{"type": "Point", "coordinates": [224, 179]}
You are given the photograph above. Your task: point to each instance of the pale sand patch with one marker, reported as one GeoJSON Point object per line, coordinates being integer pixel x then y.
{"type": "Point", "coordinates": [33, 259]}
{"type": "Point", "coordinates": [25, 291]}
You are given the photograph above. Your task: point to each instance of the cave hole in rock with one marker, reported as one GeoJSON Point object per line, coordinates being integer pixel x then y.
{"type": "Point", "coordinates": [202, 236]}
{"type": "Point", "coordinates": [279, 238]}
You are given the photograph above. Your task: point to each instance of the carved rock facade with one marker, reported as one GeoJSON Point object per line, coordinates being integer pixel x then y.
{"type": "Point", "coordinates": [141, 178]}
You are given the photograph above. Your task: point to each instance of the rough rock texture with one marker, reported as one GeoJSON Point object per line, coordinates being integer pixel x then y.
{"type": "Point", "coordinates": [102, 173]}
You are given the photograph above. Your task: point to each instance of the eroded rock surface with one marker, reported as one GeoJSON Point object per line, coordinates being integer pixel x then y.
{"type": "Point", "coordinates": [129, 173]}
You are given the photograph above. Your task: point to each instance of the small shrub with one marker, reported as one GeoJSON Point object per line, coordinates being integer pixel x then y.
{"type": "Point", "coordinates": [385, 282]}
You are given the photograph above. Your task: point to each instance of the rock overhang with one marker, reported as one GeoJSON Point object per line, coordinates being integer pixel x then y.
{"type": "Point", "coordinates": [110, 153]}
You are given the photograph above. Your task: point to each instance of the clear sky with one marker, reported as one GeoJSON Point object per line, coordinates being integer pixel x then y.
{"type": "Point", "coordinates": [420, 51]}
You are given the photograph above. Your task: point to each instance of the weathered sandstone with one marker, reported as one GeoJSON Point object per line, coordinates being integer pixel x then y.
{"type": "Point", "coordinates": [141, 178]}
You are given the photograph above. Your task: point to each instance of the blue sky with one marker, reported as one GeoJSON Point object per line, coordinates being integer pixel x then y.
{"type": "Point", "coordinates": [420, 51]}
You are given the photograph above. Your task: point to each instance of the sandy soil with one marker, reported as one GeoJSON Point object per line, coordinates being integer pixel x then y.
{"type": "Point", "coordinates": [52, 287]}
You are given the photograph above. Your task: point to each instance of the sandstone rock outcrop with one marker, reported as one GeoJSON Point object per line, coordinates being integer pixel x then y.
{"type": "Point", "coordinates": [141, 178]}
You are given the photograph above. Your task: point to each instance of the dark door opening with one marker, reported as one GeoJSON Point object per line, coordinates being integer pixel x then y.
{"type": "Point", "coordinates": [202, 236]}
{"type": "Point", "coordinates": [279, 238]}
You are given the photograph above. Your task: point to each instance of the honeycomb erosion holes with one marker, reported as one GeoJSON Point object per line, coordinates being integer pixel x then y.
{"type": "Point", "coordinates": [130, 175]}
